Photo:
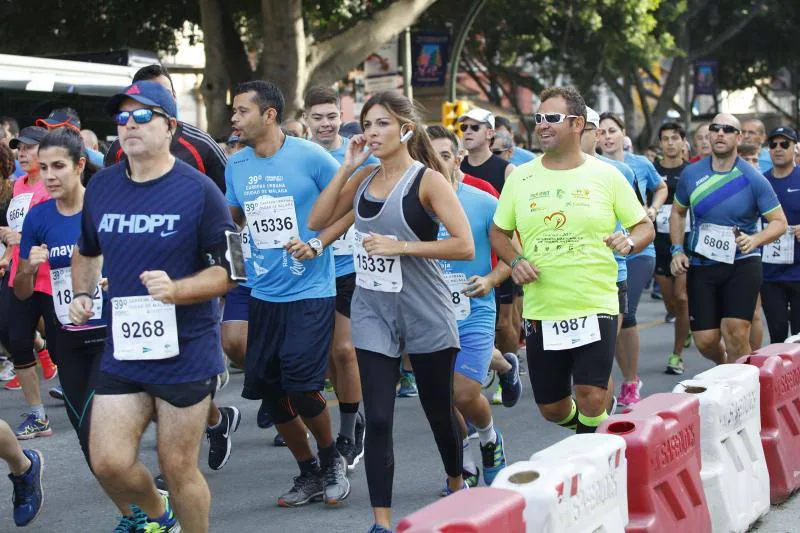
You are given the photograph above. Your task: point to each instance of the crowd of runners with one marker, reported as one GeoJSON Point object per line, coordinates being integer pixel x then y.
{"type": "Point", "coordinates": [377, 259]}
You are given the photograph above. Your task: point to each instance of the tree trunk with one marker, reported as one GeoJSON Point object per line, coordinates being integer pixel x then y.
{"type": "Point", "coordinates": [216, 80]}
{"type": "Point", "coordinates": [283, 59]}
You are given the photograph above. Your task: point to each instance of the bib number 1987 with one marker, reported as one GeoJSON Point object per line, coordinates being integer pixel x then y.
{"type": "Point", "coordinates": [570, 333]}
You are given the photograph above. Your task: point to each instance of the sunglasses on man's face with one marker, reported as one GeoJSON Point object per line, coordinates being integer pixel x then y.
{"type": "Point", "coordinates": [473, 127]}
{"type": "Point", "coordinates": [140, 116]}
{"type": "Point", "coordinates": [551, 118]}
{"type": "Point", "coordinates": [726, 128]}
{"type": "Point", "coordinates": [783, 144]}
{"type": "Point", "coordinates": [498, 151]}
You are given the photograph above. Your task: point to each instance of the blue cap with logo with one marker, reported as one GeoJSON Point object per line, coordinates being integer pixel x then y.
{"type": "Point", "coordinates": [783, 131]}
{"type": "Point", "coordinates": [149, 93]}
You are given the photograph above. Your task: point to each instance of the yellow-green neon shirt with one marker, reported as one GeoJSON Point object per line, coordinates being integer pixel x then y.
{"type": "Point", "coordinates": [562, 217]}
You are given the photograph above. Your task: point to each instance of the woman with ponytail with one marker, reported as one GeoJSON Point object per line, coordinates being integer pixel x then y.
{"type": "Point", "coordinates": [401, 301]}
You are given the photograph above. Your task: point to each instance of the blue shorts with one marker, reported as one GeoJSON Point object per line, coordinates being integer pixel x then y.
{"type": "Point", "coordinates": [287, 346]}
{"type": "Point", "coordinates": [475, 355]}
{"type": "Point", "coordinates": [237, 302]}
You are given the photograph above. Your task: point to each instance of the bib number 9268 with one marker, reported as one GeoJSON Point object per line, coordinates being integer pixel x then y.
{"type": "Point", "coordinates": [143, 329]}
{"type": "Point", "coordinates": [140, 330]}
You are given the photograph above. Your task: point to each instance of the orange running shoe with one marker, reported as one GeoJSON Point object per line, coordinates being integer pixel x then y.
{"type": "Point", "coordinates": [13, 384]}
{"type": "Point", "coordinates": [49, 370]}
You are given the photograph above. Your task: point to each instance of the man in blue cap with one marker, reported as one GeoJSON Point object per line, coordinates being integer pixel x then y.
{"type": "Point", "coordinates": [157, 229]}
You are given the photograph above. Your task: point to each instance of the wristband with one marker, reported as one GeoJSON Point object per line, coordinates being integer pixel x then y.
{"type": "Point", "coordinates": [676, 249]}
{"type": "Point", "coordinates": [88, 295]}
{"type": "Point", "coordinates": [516, 260]}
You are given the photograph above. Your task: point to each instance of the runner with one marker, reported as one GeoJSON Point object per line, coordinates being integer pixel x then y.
{"type": "Point", "coordinates": [780, 292]}
{"type": "Point", "coordinates": [25, 472]}
{"type": "Point", "coordinates": [23, 317]}
{"type": "Point", "coordinates": [272, 185]}
{"type": "Point", "coordinates": [753, 132]}
{"type": "Point", "coordinates": [158, 226]}
{"type": "Point", "coordinates": [519, 155]}
{"type": "Point", "coordinates": [565, 206]}
{"type": "Point", "coordinates": [726, 196]}
{"type": "Point", "coordinates": [671, 136]}
{"type": "Point", "coordinates": [702, 144]}
{"type": "Point", "coordinates": [66, 117]}
{"type": "Point", "coordinates": [471, 285]}
{"type": "Point", "coordinates": [401, 302]}
{"type": "Point", "coordinates": [477, 126]}
{"type": "Point", "coordinates": [324, 118]}
{"type": "Point", "coordinates": [502, 145]}
{"type": "Point", "coordinates": [640, 265]}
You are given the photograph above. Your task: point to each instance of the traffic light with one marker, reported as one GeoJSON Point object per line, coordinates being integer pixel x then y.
{"type": "Point", "coordinates": [449, 115]}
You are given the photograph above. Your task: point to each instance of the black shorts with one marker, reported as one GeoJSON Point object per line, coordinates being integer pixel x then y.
{"type": "Point", "coordinates": [722, 291]}
{"type": "Point", "coordinates": [505, 292]}
{"type": "Point", "coordinates": [552, 373]}
{"type": "Point", "coordinates": [664, 255]}
{"type": "Point", "coordinates": [345, 286]}
{"type": "Point", "coordinates": [177, 394]}
{"type": "Point", "coordinates": [287, 346]}
{"type": "Point", "coordinates": [622, 294]}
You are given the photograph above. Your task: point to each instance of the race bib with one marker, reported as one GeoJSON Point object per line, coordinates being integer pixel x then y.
{"type": "Point", "coordinates": [247, 253]}
{"type": "Point", "coordinates": [143, 329]}
{"type": "Point", "coordinates": [780, 252]}
{"type": "Point", "coordinates": [662, 219]}
{"type": "Point", "coordinates": [456, 281]}
{"type": "Point", "coordinates": [272, 221]}
{"type": "Point", "coordinates": [61, 281]}
{"type": "Point", "coordinates": [344, 244]}
{"type": "Point", "coordinates": [376, 272]}
{"type": "Point", "coordinates": [716, 242]}
{"type": "Point", "coordinates": [572, 333]}
{"type": "Point", "coordinates": [18, 209]}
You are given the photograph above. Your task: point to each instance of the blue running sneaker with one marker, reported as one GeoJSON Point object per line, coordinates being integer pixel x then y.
{"type": "Point", "coordinates": [512, 386]}
{"type": "Point", "coordinates": [494, 458]}
{"type": "Point", "coordinates": [28, 495]}
{"type": "Point", "coordinates": [472, 432]}
{"type": "Point", "coordinates": [379, 529]}
{"type": "Point", "coordinates": [408, 385]}
{"type": "Point", "coordinates": [447, 491]}
{"type": "Point", "coordinates": [166, 523]}
{"type": "Point", "coordinates": [33, 427]}
{"type": "Point", "coordinates": [57, 393]}
{"type": "Point", "coordinates": [262, 418]}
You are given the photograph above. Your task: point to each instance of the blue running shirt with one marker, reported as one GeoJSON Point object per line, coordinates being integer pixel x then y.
{"type": "Point", "coordinates": [162, 224]}
{"type": "Point", "coordinates": [647, 179]}
{"type": "Point", "coordinates": [479, 207]}
{"type": "Point", "coordinates": [344, 263]}
{"type": "Point", "coordinates": [735, 198]}
{"type": "Point", "coordinates": [788, 192]}
{"type": "Point", "coordinates": [520, 156]}
{"type": "Point", "coordinates": [622, 261]}
{"type": "Point", "coordinates": [45, 225]}
{"type": "Point", "coordinates": [299, 170]}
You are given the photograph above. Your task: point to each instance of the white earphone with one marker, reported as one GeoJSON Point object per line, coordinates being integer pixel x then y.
{"type": "Point", "coordinates": [407, 135]}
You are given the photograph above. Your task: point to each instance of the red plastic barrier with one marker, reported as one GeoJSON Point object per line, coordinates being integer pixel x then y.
{"type": "Point", "coordinates": [478, 510]}
{"type": "Point", "coordinates": [779, 377]}
{"type": "Point", "coordinates": [665, 493]}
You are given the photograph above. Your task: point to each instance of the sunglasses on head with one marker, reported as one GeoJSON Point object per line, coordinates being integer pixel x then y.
{"type": "Point", "coordinates": [473, 127]}
{"type": "Point", "coordinates": [727, 128]}
{"type": "Point", "coordinates": [783, 144]}
{"type": "Point", "coordinates": [140, 116]}
{"type": "Point", "coordinates": [551, 118]}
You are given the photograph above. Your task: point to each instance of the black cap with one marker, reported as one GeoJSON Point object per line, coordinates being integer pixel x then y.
{"type": "Point", "coordinates": [349, 129]}
{"type": "Point", "coordinates": [64, 116]}
{"type": "Point", "coordinates": [783, 131]}
{"type": "Point", "coordinates": [29, 135]}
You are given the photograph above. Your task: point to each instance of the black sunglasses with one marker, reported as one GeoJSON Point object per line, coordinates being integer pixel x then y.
{"type": "Point", "coordinates": [727, 128]}
{"type": "Point", "coordinates": [473, 127]}
{"type": "Point", "coordinates": [498, 152]}
{"type": "Point", "coordinates": [783, 144]}
{"type": "Point", "coordinates": [140, 116]}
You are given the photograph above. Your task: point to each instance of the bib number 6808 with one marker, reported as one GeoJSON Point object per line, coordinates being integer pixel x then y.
{"type": "Point", "coordinates": [718, 244]}
{"type": "Point", "coordinates": [145, 329]}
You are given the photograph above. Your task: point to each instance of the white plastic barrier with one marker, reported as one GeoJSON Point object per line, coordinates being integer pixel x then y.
{"type": "Point", "coordinates": [578, 485]}
{"type": "Point", "coordinates": [734, 471]}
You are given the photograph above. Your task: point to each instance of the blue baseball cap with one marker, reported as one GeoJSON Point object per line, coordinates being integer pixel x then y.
{"type": "Point", "coordinates": [149, 93]}
{"type": "Point", "coordinates": [783, 131]}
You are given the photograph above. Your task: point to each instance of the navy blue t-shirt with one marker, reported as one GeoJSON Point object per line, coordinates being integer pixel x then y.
{"type": "Point", "coordinates": [788, 191]}
{"type": "Point", "coordinates": [163, 224]}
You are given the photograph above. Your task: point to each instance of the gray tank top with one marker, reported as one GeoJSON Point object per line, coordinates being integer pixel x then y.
{"type": "Point", "coordinates": [420, 317]}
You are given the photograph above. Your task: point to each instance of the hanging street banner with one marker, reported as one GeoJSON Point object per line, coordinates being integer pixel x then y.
{"type": "Point", "coordinates": [429, 54]}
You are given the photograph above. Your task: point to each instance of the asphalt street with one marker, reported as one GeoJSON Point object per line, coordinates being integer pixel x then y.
{"type": "Point", "coordinates": [244, 493]}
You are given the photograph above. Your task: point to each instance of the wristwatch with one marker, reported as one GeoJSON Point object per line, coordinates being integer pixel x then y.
{"type": "Point", "coordinates": [630, 241]}
{"type": "Point", "coordinates": [316, 245]}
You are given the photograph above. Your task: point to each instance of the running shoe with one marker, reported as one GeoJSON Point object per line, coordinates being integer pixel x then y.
{"type": "Point", "coordinates": [233, 368]}
{"type": "Point", "coordinates": [328, 385]}
{"type": "Point", "coordinates": [33, 427]}
{"type": "Point", "coordinates": [14, 384]}
{"type": "Point", "coordinates": [630, 393]}
{"type": "Point", "coordinates": [361, 429]}
{"type": "Point", "coordinates": [279, 441]}
{"type": "Point", "coordinates": [306, 487]}
{"type": "Point", "coordinates": [161, 484]}
{"type": "Point", "coordinates": [408, 385]}
{"type": "Point", "coordinates": [669, 318]}
{"type": "Point", "coordinates": [447, 491]}
{"type": "Point", "coordinates": [656, 295]}
{"type": "Point", "coordinates": [688, 341]}
{"type": "Point", "coordinates": [674, 365]}
{"type": "Point", "coordinates": [494, 458]}
{"type": "Point", "coordinates": [220, 439]}
{"type": "Point", "coordinates": [335, 485]}
{"type": "Point", "coordinates": [262, 418]}
{"type": "Point", "coordinates": [57, 393]}
{"type": "Point", "coordinates": [347, 448]}
{"type": "Point", "coordinates": [472, 431]}
{"type": "Point", "coordinates": [510, 384]}
{"type": "Point", "coordinates": [614, 404]}
{"type": "Point", "coordinates": [133, 523]}
{"type": "Point", "coordinates": [471, 479]}
{"type": "Point", "coordinates": [379, 529]}
{"type": "Point", "coordinates": [28, 496]}
{"type": "Point", "coordinates": [49, 369]}
{"type": "Point", "coordinates": [497, 397]}
{"type": "Point", "coordinates": [166, 523]}
{"type": "Point", "coordinates": [6, 370]}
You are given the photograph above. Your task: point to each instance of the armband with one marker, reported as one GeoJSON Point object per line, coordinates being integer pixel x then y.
{"type": "Point", "coordinates": [88, 295]}
{"type": "Point", "coordinates": [229, 255]}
